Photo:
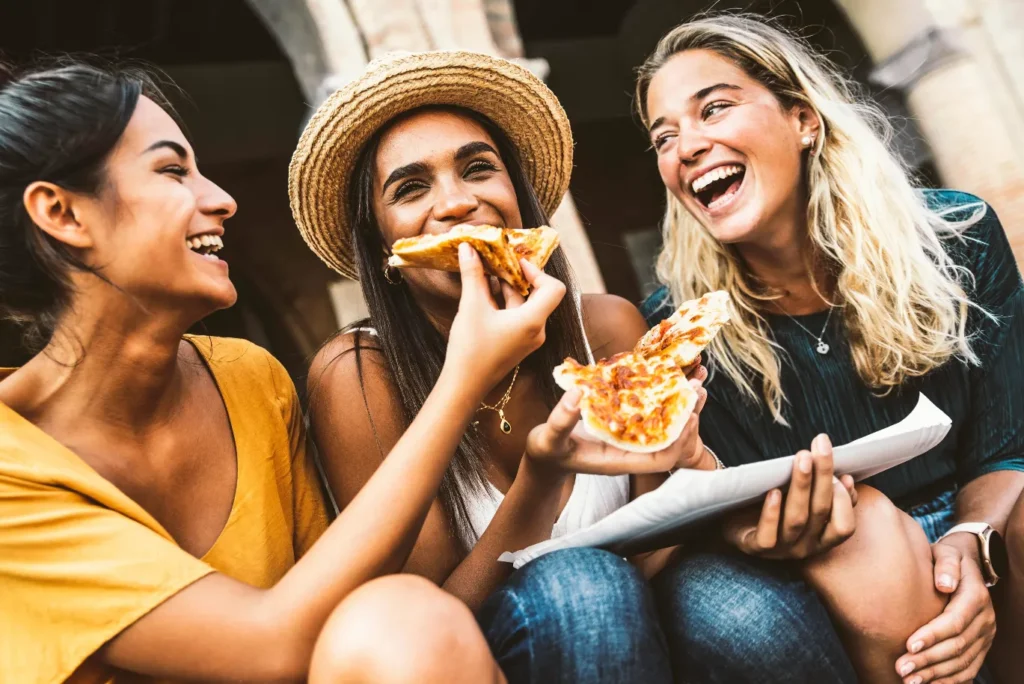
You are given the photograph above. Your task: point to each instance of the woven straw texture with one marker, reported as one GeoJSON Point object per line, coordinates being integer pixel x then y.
{"type": "Point", "coordinates": [323, 163]}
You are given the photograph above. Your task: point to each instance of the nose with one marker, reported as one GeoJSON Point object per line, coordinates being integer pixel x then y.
{"type": "Point", "coordinates": [213, 200]}
{"type": "Point", "coordinates": [454, 202]}
{"type": "Point", "coordinates": [692, 146]}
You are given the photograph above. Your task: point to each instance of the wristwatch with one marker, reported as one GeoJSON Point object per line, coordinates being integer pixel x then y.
{"type": "Point", "coordinates": [994, 561]}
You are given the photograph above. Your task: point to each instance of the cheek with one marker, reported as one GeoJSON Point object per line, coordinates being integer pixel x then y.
{"type": "Point", "coordinates": [668, 169]}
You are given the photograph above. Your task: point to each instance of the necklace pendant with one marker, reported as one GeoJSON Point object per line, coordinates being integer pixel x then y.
{"type": "Point", "coordinates": [506, 426]}
{"type": "Point", "coordinates": [822, 347]}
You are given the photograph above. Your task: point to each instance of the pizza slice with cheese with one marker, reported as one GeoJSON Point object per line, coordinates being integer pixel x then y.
{"type": "Point", "coordinates": [500, 249]}
{"type": "Point", "coordinates": [686, 333]}
{"type": "Point", "coordinates": [629, 401]}
{"type": "Point", "coordinates": [640, 400]}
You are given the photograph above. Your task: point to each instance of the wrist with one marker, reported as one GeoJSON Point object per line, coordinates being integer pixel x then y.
{"type": "Point", "coordinates": [966, 543]}
{"type": "Point", "coordinates": [704, 459]}
{"type": "Point", "coordinates": [540, 477]}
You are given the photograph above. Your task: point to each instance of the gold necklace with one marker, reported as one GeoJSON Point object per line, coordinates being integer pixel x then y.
{"type": "Point", "coordinates": [506, 427]}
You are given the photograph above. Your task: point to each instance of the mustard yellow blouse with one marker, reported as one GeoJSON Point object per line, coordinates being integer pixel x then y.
{"type": "Point", "coordinates": [80, 561]}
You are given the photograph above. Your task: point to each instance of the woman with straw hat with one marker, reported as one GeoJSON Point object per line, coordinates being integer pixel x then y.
{"type": "Point", "coordinates": [416, 145]}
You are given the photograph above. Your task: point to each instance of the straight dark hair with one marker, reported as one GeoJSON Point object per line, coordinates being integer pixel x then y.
{"type": "Point", "coordinates": [413, 347]}
{"type": "Point", "coordinates": [59, 121]}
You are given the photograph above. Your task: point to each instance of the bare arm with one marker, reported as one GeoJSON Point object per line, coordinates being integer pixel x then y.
{"type": "Point", "coordinates": [221, 629]}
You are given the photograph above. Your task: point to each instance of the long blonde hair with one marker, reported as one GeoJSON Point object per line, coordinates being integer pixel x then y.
{"type": "Point", "coordinates": [904, 307]}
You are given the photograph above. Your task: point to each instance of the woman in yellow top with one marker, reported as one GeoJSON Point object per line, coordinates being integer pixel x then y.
{"type": "Point", "coordinates": [159, 513]}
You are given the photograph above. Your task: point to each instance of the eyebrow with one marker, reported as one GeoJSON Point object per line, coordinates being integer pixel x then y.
{"type": "Point", "coordinates": [469, 149]}
{"type": "Point", "coordinates": [177, 148]}
{"type": "Point", "coordinates": [416, 168]}
{"type": "Point", "coordinates": [697, 97]}
{"type": "Point", "coordinates": [402, 172]}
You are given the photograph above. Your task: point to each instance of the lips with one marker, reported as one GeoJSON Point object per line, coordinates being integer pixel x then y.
{"type": "Point", "coordinates": [717, 186]}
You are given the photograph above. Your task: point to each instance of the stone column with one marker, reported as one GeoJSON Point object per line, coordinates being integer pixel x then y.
{"type": "Point", "coordinates": [932, 50]}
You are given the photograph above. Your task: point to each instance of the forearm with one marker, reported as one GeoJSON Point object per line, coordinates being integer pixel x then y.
{"type": "Point", "coordinates": [525, 517]}
{"type": "Point", "coordinates": [989, 499]}
{"type": "Point", "coordinates": [375, 532]}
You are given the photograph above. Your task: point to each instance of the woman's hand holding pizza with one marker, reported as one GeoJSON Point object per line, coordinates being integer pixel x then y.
{"type": "Point", "coordinates": [559, 447]}
{"type": "Point", "coordinates": [485, 341]}
{"type": "Point", "coordinates": [815, 515]}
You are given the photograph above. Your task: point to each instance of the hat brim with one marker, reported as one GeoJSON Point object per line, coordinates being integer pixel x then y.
{"type": "Point", "coordinates": [509, 95]}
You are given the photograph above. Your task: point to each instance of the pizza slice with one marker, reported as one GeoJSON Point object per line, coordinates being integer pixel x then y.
{"type": "Point", "coordinates": [686, 333]}
{"type": "Point", "coordinates": [634, 403]}
{"type": "Point", "coordinates": [536, 245]}
{"type": "Point", "coordinates": [499, 248]}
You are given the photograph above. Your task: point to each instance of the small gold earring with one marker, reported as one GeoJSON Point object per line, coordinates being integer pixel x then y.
{"type": "Point", "coordinates": [389, 276]}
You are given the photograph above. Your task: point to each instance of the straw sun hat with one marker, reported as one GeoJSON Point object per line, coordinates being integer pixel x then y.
{"type": "Point", "coordinates": [508, 94]}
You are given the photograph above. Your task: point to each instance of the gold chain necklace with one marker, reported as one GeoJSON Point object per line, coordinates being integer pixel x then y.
{"type": "Point", "coordinates": [499, 408]}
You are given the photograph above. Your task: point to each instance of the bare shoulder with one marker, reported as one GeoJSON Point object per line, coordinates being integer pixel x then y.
{"type": "Point", "coordinates": [347, 359]}
{"type": "Point", "coordinates": [613, 324]}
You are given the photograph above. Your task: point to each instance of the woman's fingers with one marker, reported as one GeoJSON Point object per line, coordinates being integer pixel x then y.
{"type": "Point", "coordinates": [599, 458]}
{"type": "Point", "coordinates": [843, 521]}
{"type": "Point", "coordinates": [766, 535]}
{"type": "Point", "coordinates": [546, 292]}
{"type": "Point", "coordinates": [821, 491]}
{"type": "Point", "coordinates": [947, 567]}
{"type": "Point", "coordinates": [851, 487]}
{"type": "Point", "coordinates": [552, 438]}
{"type": "Point", "coordinates": [513, 299]}
{"type": "Point", "coordinates": [475, 289]}
{"type": "Point", "coordinates": [958, 659]}
{"type": "Point", "coordinates": [798, 498]}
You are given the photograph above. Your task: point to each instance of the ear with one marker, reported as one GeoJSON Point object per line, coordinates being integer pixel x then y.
{"type": "Point", "coordinates": [52, 209]}
{"type": "Point", "coordinates": [806, 123]}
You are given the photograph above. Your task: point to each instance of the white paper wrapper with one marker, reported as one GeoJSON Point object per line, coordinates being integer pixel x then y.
{"type": "Point", "coordinates": [693, 496]}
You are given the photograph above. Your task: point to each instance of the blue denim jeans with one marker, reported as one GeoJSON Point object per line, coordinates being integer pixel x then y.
{"type": "Point", "coordinates": [584, 615]}
{"type": "Point", "coordinates": [576, 616]}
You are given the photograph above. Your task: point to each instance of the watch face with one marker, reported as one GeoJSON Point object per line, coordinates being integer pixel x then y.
{"type": "Point", "coordinates": [997, 554]}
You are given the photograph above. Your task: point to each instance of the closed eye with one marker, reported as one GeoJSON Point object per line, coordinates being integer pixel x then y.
{"type": "Point", "coordinates": [175, 170]}
{"type": "Point", "coordinates": [660, 140]}
{"type": "Point", "coordinates": [480, 167]}
{"type": "Point", "coordinates": [408, 187]}
{"type": "Point", "coordinates": [713, 108]}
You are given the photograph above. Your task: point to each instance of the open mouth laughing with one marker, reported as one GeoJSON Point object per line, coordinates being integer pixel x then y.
{"type": "Point", "coordinates": [716, 188]}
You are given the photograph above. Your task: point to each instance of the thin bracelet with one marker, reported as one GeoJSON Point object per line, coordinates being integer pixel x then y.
{"type": "Point", "coordinates": [718, 462]}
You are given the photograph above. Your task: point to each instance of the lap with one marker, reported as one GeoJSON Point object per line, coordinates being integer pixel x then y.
{"type": "Point", "coordinates": [578, 615]}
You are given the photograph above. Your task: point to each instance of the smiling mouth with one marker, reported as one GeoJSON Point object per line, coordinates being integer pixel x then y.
{"type": "Point", "coordinates": [718, 186]}
{"type": "Point", "coordinates": [205, 245]}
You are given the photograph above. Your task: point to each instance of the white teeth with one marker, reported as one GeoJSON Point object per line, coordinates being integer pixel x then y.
{"type": "Point", "coordinates": [714, 175]}
{"type": "Point", "coordinates": [205, 243]}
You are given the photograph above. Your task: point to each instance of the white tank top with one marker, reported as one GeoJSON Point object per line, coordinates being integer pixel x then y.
{"type": "Point", "coordinates": [593, 496]}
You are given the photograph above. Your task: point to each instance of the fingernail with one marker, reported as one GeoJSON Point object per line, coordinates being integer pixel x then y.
{"type": "Point", "coordinates": [906, 668]}
{"type": "Point", "coordinates": [915, 680]}
{"type": "Point", "coordinates": [916, 646]}
{"type": "Point", "coordinates": [805, 464]}
{"type": "Point", "coordinates": [821, 443]}
{"type": "Point", "coordinates": [571, 399]}
{"type": "Point", "coordinates": [945, 581]}
{"type": "Point", "coordinates": [465, 251]}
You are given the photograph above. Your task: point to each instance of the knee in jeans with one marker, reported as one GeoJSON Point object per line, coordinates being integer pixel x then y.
{"type": "Point", "coordinates": [400, 628]}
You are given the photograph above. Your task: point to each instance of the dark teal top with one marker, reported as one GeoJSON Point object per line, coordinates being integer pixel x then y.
{"type": "Point", "coordinates": [825, 394]}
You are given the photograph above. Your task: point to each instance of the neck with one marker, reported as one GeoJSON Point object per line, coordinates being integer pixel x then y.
{"type": "Point", "coordinates": [785, 264]}
{"type": "Point", "coordinates": [119, 368]}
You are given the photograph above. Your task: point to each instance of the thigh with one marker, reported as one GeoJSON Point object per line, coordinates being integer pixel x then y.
{"type": "Point", "coordinates": [578, 615]}
{"type": "Point", "coordinates": [732, 618]}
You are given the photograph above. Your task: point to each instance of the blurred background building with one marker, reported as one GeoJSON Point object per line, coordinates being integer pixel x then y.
{"type": "Point", "coordinates": [949, 72]}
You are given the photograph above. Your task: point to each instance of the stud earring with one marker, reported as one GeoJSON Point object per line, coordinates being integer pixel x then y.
{"type": "Point", "coordinates": [808, 140]}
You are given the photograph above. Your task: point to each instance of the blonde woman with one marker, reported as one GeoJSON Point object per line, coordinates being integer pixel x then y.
{"type": "Point", "coordinates": [854, 293]}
